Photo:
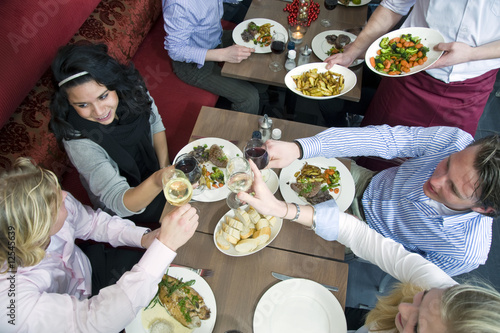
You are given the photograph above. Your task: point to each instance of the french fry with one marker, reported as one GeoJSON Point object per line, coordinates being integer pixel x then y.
{"type": "Point", "coordinates": [312, 83]}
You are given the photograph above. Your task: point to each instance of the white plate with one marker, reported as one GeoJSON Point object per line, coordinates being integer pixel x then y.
{"type": "Point", "coordinates": [429, 38]}
{"type": "Point", "coordinates": [271, 180]}
{"type": "Point", "coordinates": [201, 286]}
{"type": "Point", "coordinates": [298, 305]}
{"type": "Point", "coordinates": [363, 2]}
{"type": "Point", "coordinates": [320, 46]}
{"type": "Point", "coordinates": [276, 27]}
{"type": "Point", "coordinates": [343, 198]}
{"type": "Point", "coordinates": [232, 252]}
{"type": "Point", "coordinates": [229, 149]}
{"type": "Point", "coordinates": [349, 78]}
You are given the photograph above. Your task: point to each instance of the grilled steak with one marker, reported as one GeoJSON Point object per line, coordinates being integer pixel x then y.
{"type": "Point", "coordinates": [217, 156]}
{"type": "Point", "coordinates": [306, 190]}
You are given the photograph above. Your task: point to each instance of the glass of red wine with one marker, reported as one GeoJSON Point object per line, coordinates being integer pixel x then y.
{"type": "Point", "coordinates": [188, 164]}
{"type": "Point", "coordinates": [329, 5]}
{"type": "Point", "coordinates": [277, 48]}
{"type": "Point", "coordinates": [256, 150]}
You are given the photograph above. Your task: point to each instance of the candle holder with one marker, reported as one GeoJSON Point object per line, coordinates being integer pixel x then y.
{"type": "Point", "coordinates": [296, 33]}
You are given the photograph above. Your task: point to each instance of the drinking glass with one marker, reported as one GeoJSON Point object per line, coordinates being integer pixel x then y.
{"type": "Point", "coordinates": [329, 5]}
{"type": "Point", "coordinates": [277, 48]}
{"type": "Point", "coordinates": [176, 187]}
{"type": "Point", "coordinates": [238, 179]}
{"type": "Point", "coordinates": [188, 164]}
{"type": "Point", "coordinates": [256, 150]}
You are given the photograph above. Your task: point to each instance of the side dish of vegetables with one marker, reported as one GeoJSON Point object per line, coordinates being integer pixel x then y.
{"type": "Point", "coordinates": [399, 54]}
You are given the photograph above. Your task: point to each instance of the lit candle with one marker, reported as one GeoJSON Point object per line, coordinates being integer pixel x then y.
{"type": "Point", "coordinates": [297, 35]}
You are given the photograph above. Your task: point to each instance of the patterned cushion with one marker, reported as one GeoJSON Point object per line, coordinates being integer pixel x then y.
{"type": "Point", "coordinates": [122, 25]}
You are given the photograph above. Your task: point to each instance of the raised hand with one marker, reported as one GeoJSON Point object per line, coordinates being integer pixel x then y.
{"type": "Point", "coordinates": [178, 226]}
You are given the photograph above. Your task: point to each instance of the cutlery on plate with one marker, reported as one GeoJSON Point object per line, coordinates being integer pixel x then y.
{"type": "Point", "coordinates": [286, 277]}
{"type": "Point", "coordinates": [200, 271]}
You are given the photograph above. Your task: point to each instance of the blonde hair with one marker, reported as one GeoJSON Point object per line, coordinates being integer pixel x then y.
{"type": "Point", "coordinates": [30, 197]}
{"type": "Point", "coordinates": [382, 317]}
{"type": "Point", "coordinates": [465, 308]}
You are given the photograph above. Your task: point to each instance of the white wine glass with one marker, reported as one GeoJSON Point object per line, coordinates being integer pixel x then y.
{"type": "Point", "coordinates": [238, 179]}
{"type": "Point", "coordinates": [176, 187]}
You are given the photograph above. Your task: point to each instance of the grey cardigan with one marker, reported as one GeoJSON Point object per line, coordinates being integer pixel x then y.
{"type": "Point", "coordinates": [99, 173]}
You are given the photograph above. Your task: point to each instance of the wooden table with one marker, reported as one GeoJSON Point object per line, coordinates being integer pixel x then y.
{"type": "Point", "coordinates": [239, 282]}
{"type": "Point", "coordinates": [256, 67]}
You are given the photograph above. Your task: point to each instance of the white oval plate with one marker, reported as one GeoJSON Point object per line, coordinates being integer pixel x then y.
{"type": "Point", "coordinates": [320, 46]}
{"type": "Point", "coordinates": [229, 149]}
{"type": "Point", "coordinates": [349, 78]}
{"type": "Point", "coordinates": [232, 252]}
{"type": "Point", "coordinates": [429, 38]}
{"type": "Point", "coordinates": [296, 306]}
{"type": "Point", "coordinates": [347, 189]}
{"type": "Point", "coordinates": [200, 285]}
{"type": "Point", "coordinates": [276, 27]}
{"type": "Point", "coordinates": [363, 2]}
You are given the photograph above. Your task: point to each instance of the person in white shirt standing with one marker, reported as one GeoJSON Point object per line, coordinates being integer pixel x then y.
{"type": "Point", "coordinates": [455, 89]}
{"type": "Point", "coordinates": [45, 279]}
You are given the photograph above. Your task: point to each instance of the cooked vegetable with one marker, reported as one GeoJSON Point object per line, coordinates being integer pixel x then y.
{"type": "Point", "coordinates": [398, 55]}
{"type": "Point", "coordinates": [312, 83]}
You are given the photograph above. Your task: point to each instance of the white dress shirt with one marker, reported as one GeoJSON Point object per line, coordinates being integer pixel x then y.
{"type": "Point", "coordinates": [52, 296]}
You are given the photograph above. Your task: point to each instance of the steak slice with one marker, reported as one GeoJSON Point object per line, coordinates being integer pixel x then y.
{"type": "Point", "coordinates": [306, 190]}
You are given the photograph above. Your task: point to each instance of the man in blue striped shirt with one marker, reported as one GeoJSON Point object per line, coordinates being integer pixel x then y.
{"type": "Point", "coordinates": [438, 203]}
{"type": "Point", "coordinates": [196, 43]}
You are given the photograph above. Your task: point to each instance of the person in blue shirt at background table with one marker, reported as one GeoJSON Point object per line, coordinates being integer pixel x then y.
{"type": "Point", "coordinates": [196, 44]}
{"type": "Point", "coordinates": [439, 202]}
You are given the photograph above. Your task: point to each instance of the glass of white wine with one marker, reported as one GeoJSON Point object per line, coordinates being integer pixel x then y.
{"type": "Point", "coordinates": [177, 187]}
{"type": "Point", "coordinates": [238, 179]}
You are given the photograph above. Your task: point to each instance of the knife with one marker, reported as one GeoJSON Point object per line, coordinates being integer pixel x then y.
{"type": "Point", "coordinates": [286, 277]}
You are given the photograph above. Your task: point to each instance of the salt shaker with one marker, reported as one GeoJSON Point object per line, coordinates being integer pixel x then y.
{"type": "Point", "coordinates": [290, 62]}
{"type": "Point", "coordinates": [276, 135]}
{"type": "Point", "coordinates": [304, 55]}
{"type": "Point", "coordinates": [265, 127]}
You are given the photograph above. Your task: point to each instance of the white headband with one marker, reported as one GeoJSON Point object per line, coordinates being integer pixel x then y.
{"type": "Point", "coordinates": [74, 76]}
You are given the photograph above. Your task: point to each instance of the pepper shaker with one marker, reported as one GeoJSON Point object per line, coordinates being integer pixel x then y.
{"type": "Point", "coordinates": [265, 127]}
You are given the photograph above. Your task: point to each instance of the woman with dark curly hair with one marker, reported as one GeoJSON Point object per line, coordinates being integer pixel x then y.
{"type": "Point", "coordinates": [104, 117]}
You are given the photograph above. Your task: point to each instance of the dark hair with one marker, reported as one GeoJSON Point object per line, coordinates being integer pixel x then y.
{"type": "Point", "coordinates": [487, 164]}
{"type": "Point", "coordinates": [105, 70]}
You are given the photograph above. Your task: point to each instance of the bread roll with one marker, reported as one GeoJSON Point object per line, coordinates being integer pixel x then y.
{"type": "Point", "coordinates": [222, 242]}
{"type": "Point", "coordinates": [262, 235]}
{"type": "Point", "coordinates": [272, 219]}
{"type": "Point", "coordinates": [231, 239]}
{"type": "Point", "coordinates": [247, 232]}
{"type": "Point", "coordinates": [234, 223]}
{"type": "Point", "coordinates": [232, 231]}
{"type": "Point", "coordinates": [246, 245]}
{"type": "Point", "coordinates": [242, 216]}
{"type": "Point", "coordinates": [253, 214]}
{"type": "Point", "coordinates": [262, 224]}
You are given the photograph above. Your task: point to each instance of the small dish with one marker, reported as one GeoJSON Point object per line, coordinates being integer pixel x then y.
{"type": "Point", "coordinates": [320, 46]}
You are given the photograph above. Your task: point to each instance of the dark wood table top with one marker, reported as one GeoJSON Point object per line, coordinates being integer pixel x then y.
{"type": "Point", "coordinates": [238, 283]}
{"type": "Point", "coordinates": [238, 126]}
{"type": "Point", "coordinates": [256, 67]}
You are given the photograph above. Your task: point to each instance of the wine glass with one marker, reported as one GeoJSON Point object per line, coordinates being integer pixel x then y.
{"type": "Point", "coordinates": [277, 48]}
{"type": "Point", "coordinates": [188, 164]}
{"type": "Point", "coordinates": [256, 150]}
{"type": "Point", "coordinates": [176, 187]}
{"type": "Point", "coordinates": [238, 179]}
{"type": "Point", "coordinates": [329, 5]}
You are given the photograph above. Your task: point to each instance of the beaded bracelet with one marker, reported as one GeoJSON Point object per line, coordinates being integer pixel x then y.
{"type": "Point", "coordinates": [298, 212]}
